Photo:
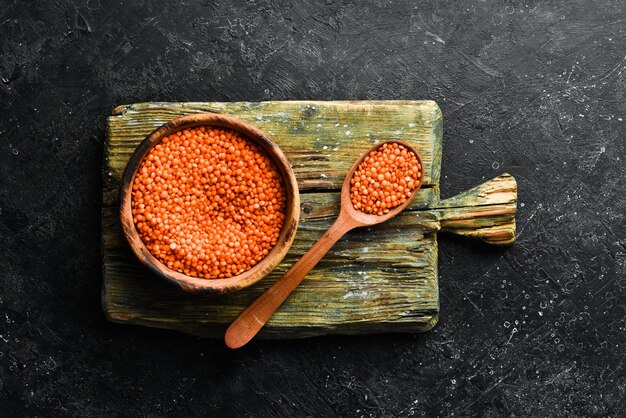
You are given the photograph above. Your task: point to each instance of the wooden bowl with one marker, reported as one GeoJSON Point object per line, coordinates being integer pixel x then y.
{"type": "Point", "coordinates": [263, 267]}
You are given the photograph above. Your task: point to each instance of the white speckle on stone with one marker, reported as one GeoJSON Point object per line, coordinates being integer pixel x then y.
{"type": "Point", "coordinates": [324, 147]}
{"type": "Point", "coordinates": [435, 37]}
{"type": "Point", "coordinates": [323, 175]}
{"type": "Point", "coordinates": [348, 133]}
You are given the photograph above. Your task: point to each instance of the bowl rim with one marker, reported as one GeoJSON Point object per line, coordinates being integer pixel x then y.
{"type": "Point", "coordinates": [196, 284]}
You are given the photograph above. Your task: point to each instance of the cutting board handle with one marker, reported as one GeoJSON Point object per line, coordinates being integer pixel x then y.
{"type": "Point", "coordinates": [485, 212]}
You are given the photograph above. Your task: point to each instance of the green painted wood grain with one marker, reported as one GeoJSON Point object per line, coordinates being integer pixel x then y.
{"type": "Point", "coordinates": [320, 139]}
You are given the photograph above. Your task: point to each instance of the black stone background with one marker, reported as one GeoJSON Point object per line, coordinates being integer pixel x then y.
{"type": "Point", "coordinates": [536, 89]}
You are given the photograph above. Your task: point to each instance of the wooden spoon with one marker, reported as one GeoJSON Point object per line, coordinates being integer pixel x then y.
{"type": "Point", "coordinates": [251, 320]}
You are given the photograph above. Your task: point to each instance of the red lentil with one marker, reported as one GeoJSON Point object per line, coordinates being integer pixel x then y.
{"type": "Point", "coordinates": [385, 179]}
{"type": "Point", "coordinates": [208, 202]}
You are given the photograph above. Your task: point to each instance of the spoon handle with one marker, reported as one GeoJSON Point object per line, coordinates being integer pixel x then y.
{"type": "Point", "coordinates": [251, 320]}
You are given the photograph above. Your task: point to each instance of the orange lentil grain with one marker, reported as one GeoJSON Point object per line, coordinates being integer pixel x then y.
{"type": "Point", "coordinates": [201, 195]}
{"type": "Point", "coordinates": [385, 179]}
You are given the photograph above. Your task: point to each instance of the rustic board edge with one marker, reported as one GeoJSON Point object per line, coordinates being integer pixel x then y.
{"type": "Point", "coordinates": [280, 333]}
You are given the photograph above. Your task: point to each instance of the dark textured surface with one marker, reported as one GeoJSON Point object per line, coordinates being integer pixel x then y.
{"type": "Point", "coordinates": [536, 89]}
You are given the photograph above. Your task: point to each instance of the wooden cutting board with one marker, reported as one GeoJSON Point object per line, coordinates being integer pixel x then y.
{"type": "Point", "coordinates": [378, 279]}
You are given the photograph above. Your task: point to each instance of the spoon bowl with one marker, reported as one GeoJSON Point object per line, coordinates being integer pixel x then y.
{"type": "Point", "coordinates": [368, 219]}
{"type": "Point", "coordinates": [251, 320]}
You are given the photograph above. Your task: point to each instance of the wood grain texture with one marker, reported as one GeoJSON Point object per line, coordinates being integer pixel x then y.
{"type": "Point", "coordinates": [485, 212]}
{"type": "Point", "coordinates": [375, 279]}
{"type": "Point", "coordinates": [321, 139]}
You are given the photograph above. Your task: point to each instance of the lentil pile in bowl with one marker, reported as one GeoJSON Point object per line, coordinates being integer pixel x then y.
{"type": "Point", "coordinates": [385, 179]}
{"type": "Point", "coordinates": [208, 203]}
